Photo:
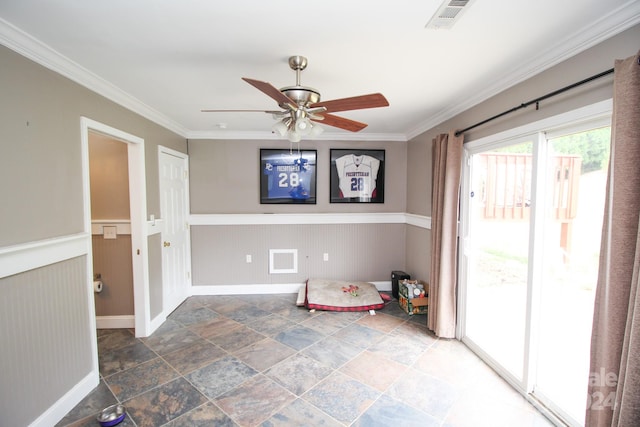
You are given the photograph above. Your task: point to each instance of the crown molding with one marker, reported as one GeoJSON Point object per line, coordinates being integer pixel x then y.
{"type": "Point", "coordinates": [619, 20]}
{"type": "Point", "coordinates": [33, 49]}
{"type": "Point", "coordinates": [608, 26]}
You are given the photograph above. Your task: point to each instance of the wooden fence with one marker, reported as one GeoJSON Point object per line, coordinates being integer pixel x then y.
{"type": "Point", "coordinates": [506, 185]}
{"type": "Point", "coordinates": [506, 189]}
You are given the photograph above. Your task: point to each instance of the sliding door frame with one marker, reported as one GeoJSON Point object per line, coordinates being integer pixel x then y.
{"type": "Point", "coordinates": [598, 114]}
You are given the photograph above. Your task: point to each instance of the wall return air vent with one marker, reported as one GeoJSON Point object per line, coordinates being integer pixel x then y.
{"type": "Point", "coordinates": [447, 14]}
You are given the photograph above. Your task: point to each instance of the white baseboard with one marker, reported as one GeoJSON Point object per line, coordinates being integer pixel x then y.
{"type": "Point", "coordinates": [285, 288]}
{"type": "Point", "coordinates": [383, 286]}
{"type": "Point", "coordinates": [115, 322]}
{"type": "Point", "coordinates": [67, 402]}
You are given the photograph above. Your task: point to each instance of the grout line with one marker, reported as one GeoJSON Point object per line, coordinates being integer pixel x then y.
{"type": "Point", "coordinates": [295, 317]}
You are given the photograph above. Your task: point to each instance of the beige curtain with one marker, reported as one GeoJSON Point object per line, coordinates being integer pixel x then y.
{"type": "Point", "coordinates": [614, 379]}
{"type": "Point", "coordinates": [446, 170]}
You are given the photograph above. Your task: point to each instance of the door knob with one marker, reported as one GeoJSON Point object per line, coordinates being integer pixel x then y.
{"type": "Point", "coordinates": [166, 244]}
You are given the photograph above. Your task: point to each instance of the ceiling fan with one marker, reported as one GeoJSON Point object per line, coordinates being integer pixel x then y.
{"type": "Point", "coordinates": [301, 106]}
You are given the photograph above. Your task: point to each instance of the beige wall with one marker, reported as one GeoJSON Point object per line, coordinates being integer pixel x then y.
{"type": "Point", "coordinates": [365, 252]}
{"type": "Point", "coordinates": [225, 177]}
{"type": "Point", "coordinates": [41, 190]}
{"type": "Point", "coordinates": [112, 259]}
{"type": "Point", "coordinates": [155, 275]}
{"type": "Point", "coordinates": [46, 344]}
{"type": "Point", "coordinates": [40, 153]}
{"type": "Point", "coordinates": [41, 187]}
{"type": "Point", "coordinates": [109, 176]}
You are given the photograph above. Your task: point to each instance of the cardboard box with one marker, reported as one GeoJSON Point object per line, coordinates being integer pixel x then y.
{"type": "Point", "coordinates": [415, 305]}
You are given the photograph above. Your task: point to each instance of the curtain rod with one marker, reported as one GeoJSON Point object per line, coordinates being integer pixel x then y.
{"type": "Point", "coordinates": [536, 101]}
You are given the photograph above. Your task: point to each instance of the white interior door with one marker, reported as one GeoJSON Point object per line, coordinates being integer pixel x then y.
{"type": "Point", "coordinates": [174, 205]}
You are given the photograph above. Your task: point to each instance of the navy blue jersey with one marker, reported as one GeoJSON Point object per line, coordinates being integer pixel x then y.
{"type": "Point", "coordinates": [288, 178]}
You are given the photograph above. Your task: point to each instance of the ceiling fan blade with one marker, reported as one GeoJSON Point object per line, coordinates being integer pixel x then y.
{"type": "Point", "coordinates": [372, 100]}
{"type": "Point", "coordinates": [341, 122]}
{"type": "Point", "coordinates": [271, 91]}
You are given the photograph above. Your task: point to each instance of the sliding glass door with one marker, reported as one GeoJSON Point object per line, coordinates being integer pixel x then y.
{"type": "Point", "coordinates": [498, 249]}
{"type": "Point", "coordinates": [532, 211]}
{"type": "Point", "coordinates": [574, 195]}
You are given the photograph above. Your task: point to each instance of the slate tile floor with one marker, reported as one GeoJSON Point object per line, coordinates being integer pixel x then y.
{"type": "Point", "coordinates": [262, 361]}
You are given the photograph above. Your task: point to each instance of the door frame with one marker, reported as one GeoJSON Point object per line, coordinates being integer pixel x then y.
{"type": "Point", "coordinates": [185, 158]}
{"type": "Point", "coordinates": [138, 215]}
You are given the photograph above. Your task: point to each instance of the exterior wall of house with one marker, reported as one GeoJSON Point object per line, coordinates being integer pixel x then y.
{"type": "Point", "coordinates": [592, 61]}
{"type": "Point", "coordinates": [45, 293]}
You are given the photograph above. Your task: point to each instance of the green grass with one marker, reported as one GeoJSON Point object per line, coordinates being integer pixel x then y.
{"type": "Point", "coordinates": [498, 253]}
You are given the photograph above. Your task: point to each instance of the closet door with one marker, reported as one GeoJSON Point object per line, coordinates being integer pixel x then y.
{"type": "Point", "coordinates": [176, 246]}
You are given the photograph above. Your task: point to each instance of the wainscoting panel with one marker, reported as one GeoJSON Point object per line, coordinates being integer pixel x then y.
{"type": "Point", "coordinates": [46, 338]}
{"type": "Point", "coordinates": [367, 252]}
{"type": "Point", "coordinates": [112, 260]}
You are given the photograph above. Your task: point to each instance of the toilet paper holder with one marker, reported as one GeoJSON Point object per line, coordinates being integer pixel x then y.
{"type": "Point", "coordinates": [97, 283]}
{"type": "Point", "coordinates": [97, 286]}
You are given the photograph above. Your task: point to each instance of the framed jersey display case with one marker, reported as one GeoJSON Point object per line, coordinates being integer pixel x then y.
{"type": "Point", "coordinates": [357, 176]}
{"type": "Point", "coordinates": [288, 176]}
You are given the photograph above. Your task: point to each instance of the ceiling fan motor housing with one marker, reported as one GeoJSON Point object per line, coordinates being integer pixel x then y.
{"type": "Point", "coordinates": [302, 95]}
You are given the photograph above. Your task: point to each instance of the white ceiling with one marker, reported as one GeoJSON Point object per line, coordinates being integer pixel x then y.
{"type": "Point", "coordinates": [167, 60]}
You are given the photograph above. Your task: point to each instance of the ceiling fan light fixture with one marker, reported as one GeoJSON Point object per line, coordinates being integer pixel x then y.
{"type": "Point", "coordinates": [280, 127]}
{"type": "Point", "coordinates": [293, 136]}
{"type": "Point", "coordinates": [303, 126]}
{"type": "Point", "coordinates": [316, 130]}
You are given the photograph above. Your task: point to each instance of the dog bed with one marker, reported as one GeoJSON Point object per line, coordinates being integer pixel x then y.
{"type": "Point", "coordinates": [335, 295]}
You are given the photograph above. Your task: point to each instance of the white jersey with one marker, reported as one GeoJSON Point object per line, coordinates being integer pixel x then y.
{"type": "Point", "coordinates": [357, 175]}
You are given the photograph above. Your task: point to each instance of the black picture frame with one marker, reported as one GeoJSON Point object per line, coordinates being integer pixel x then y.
{"type": "Point", "coordinates": [357, 176]}
{"type": "Point", "coordinates": [288, 176]}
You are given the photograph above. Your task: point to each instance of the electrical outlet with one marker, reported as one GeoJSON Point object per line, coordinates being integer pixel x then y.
{"type": "Point", "coordinates": [110, 232]}
{"type": "Point", "coordinates": [249, 259]}
{"type": "Point", "coordinates": [325, 256]}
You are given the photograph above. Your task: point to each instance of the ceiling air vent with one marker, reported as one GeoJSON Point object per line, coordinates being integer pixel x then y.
{"type": "Point", "coordinates": [447, 14]}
